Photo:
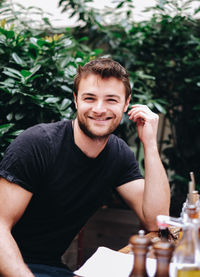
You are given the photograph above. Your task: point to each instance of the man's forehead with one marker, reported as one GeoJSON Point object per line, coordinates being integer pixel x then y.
{"type": "Point", "coordinates": [97, 80]}
{"type": "Point", "coordinates": [96, 85]}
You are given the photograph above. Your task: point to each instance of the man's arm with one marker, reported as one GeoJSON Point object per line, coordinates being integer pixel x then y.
{"type": "Point", "coordinates": [151, 197]}
{"type": "Point", "coordinates": [13, 202]}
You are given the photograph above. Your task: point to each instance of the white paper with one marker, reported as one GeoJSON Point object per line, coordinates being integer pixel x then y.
{"type": "Point", "coordinates": [109, 263]}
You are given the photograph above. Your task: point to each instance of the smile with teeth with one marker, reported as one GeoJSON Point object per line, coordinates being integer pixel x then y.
{"type": "Point", "coordinates": [100, 118]}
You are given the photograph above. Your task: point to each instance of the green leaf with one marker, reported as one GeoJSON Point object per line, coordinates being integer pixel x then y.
{"type": "Point", "coordinates": [196, 108]}
{"type": "Point", "coordinates": [197, 11]}
{"type": "Point", "coordinates": [16, 133]}
{"type": "Point", "coordinates": [5, 128]}
{"type": "Point", "coordinates": [65, 103]}
{"type": "Point", "coordinates": [41, 42]}
{"type": "Point", "coordinates": [67, 113]}
{"type": "Point", "coordinates": [160, 108]}
{"type": "Point", "coordinates": [145, 76]}
{"type": "Point", "coordinates": [13, 100]}
{"type": "Point", "coordinates": [17, 59]}
{"type": "Point", "coordinates": [9, 82]}
{"type": "Point", "coordinates": [8, 34]}
{"type": "Point", "coordinates": [33, 43]}
{"type": "Point", "coordinates": [83, 39]}
{"type": "Point", "coordinates": [19, 116]}
{"type": "Point", "coordinates": [35, 68]}
{"type": "Point", "coordinates": [25, 73]}
{"type": "Point", "coordinates": [9, 116]}
{"type": "Point", "coordinates": [98, 51]}
{"type": "Point", "coordinates": [65, 88]}
{"type": "Point", "coordinates": [70, 71]}
{"type": "Point", "coordinates": [46, 20]}
{"type": "Point", "coordinates": [12, 72]}
{"type": "Point", "coordinates": [188, 80]}
{"type": "Point", "coordinates": [52, 100]}
{"type": "Point", "coordinates": [120, 4]}
{"type": "Point", "coordinates": [80, 54]}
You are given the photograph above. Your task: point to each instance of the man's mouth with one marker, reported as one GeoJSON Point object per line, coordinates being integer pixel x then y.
{"type": "Point", "coordinates": [100, 118]}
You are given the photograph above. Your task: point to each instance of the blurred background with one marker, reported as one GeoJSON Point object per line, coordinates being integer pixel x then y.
{"type": "Point", "coordinates": [158, 42]}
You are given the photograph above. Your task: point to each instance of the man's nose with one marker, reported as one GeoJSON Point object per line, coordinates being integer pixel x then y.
{"type": "Point", "coordinates": [99, 107]}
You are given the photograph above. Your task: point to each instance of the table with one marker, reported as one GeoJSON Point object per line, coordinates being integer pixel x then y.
{"type": "Point", "coordinates": [154, 236]}
{"type": "Point", "coordinates": [98, 264]}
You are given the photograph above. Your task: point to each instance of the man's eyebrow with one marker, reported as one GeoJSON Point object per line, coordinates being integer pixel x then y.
{"type": "Point", "coordinates": [88, 94]}
{"type": "Point", "coordinates": [113, 96]}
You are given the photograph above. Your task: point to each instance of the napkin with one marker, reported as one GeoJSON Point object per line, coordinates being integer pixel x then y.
{"type": "Point", "coordinates": [109, 263]}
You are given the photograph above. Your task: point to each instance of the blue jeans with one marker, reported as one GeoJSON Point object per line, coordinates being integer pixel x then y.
{"type": "Point", "coordinates": [41, 270]}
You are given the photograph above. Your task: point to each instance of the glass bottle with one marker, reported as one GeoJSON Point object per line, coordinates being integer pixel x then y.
{"type": "Point", "coordinates": [186, 256]}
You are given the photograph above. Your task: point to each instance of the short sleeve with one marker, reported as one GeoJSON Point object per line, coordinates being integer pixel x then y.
{"type": "Point", "coordinates": [129, 167]}
{"type": "Point", "coordinates": [27, 159]}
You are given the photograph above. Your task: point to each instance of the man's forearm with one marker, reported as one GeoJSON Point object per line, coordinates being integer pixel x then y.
{"type": "Point", "coordinates": [11, 261]}
{"type": "Point", "coordinates": [157, 189]}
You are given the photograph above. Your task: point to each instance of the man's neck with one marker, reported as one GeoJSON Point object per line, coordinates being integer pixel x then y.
{"type": "Point", "coordinates": [90, 147]}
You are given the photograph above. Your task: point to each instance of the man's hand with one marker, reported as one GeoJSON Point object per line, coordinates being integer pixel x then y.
{"type": "Point", "coordinates": [147, 123]}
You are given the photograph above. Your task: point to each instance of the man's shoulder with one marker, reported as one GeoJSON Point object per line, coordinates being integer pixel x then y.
{"type": "Point", "coordinates": [120, 148]}
{"type": "Point", "coordinates": [52, 126]}
{"type": "Point", "coordinates": [41, 135]}
{"type": "Point", "coordinates": [117, 143]}
{"type": "Point", "coordinates": [42, 130]}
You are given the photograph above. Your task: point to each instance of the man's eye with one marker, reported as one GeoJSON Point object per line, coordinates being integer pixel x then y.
{"type": "Point", "coordinates": [112, 100]}
{"type": "Point", "coordinates": [89, 98]}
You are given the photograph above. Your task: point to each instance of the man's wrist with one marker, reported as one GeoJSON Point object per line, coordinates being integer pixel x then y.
{"type": "Point", "coordinates": [150, 146]}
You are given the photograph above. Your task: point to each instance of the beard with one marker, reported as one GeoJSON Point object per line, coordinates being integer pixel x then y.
{"type": "Point", "coordinates": [91, 134]}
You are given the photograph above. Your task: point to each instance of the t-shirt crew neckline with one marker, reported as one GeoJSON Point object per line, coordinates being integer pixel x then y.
{"type": "Point", "coordinates": [82, 154]}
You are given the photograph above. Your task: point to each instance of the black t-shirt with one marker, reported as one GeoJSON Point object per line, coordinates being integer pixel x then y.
{"type": "Point", "coordinates": [68, 187]}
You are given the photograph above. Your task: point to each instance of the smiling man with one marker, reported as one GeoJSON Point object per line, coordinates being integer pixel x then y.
{"type": "Point", "coordinates": [100, 105]}
{"type": "Point", "coordinates": [55, 176]}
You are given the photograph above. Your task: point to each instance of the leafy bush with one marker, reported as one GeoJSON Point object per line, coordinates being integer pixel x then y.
{"type": "Point", "coordinates": [167, 47]}
{"type": "Point", "coordinates": [161, 55]}
{"type": "Point", "coordinates": [36, 77]}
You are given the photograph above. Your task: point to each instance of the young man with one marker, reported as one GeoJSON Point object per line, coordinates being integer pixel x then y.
{"type": "Point", "coordinates": [55, 176]}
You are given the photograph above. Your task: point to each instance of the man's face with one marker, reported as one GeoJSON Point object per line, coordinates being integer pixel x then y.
{"type": "Point", "coordinates": [100, 105]}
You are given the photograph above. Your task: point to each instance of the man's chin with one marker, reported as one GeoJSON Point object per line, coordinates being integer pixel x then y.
{"type": "Point", "coordinates": [96, 135]}
{"type": "Point", "coordinates": [96, 132]}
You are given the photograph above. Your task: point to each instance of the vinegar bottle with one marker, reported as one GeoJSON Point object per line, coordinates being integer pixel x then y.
{"type": "Point", "coordinates": [187, 253]}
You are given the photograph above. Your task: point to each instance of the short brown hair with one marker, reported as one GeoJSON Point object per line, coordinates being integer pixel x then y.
{"type": "Point", "coordinates": [104, 67]}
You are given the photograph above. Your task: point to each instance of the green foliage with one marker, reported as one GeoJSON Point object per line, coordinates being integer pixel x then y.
{"type": "Point", "coordinates": [36, 77]}
{"type": "Point", "coordinates": [169, 50]}
{"type": "Point", "coordinates": [161, 54]}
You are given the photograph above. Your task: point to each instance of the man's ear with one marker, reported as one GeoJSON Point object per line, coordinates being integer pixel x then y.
{"type": "Point", "coordinates": [127, 103]}
{"type": "Point", "coordinates": [75, 99]}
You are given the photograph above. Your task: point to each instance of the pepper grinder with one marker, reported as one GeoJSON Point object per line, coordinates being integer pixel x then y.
{"type": "Point", "coordinates": [163, 251]}
{"type": "Point", "coordinates": [139, 246]}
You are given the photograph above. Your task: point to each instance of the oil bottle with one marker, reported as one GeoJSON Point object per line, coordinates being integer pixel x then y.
{"type": "Point", "coordinates": [187, 253]}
